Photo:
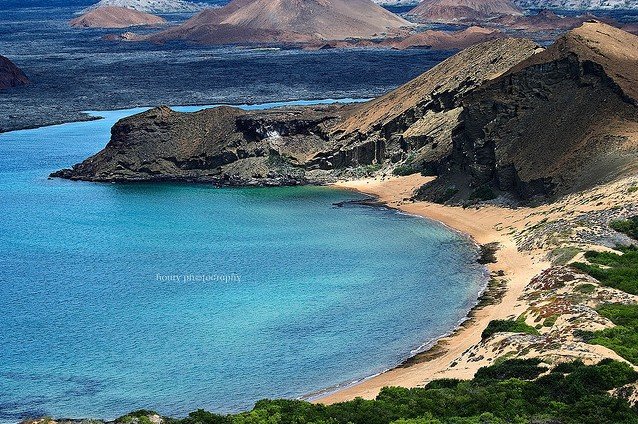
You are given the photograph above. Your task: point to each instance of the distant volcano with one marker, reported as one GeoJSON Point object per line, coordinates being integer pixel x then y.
{"type": "Point", "coordinates": [115, 17]}
{"type": "Point", "coordinates": [463, 10]}
{"type": "Point", "coordinates": [256, 21]}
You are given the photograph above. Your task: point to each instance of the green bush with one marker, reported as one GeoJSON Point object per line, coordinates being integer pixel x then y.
{"type": "Point", "coordinates": [484, 192]}
{"type": "Point", "coordinates": [613, 270]}
{"type": "Point", "coordinates": [403, 170]}
{"type": "Point", "coordinates": [507, 326]}
{"type": "Point", "coordinates": [622, 339]}
{"type": "Point", "coordinates": [626, 226]}
{"type": "Point", "coordinates": [510, 392]}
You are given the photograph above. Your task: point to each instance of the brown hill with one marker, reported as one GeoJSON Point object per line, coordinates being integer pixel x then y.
{"type": "Point", "coordinates": [10, 74]}
{"type": "Point", "coordinates": [115, 17]}
{"type": "Point", "coordinates": [259, 21]}
{"type": "Point", "coordinates": [463, 10]}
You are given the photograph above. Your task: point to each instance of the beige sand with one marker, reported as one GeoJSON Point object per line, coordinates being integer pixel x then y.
{"type": "Point", "coordinates": [484, 225]}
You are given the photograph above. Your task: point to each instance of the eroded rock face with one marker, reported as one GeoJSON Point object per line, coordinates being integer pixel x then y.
{"type": "Point", "coordinates": [224, 146]}
{"type": "Point", "coordinates": [11, 75]}
{"type": "Point", "coordinates": [559, 122]}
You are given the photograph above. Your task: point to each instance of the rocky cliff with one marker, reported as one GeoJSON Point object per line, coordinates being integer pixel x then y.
{"type": "Point", "coordinates": [287, 21]}
{"type": "Point", "coordinates": [502, 117]}
{"type": "Point", "coordinates": [224, 146]}
{"type": "Point", "coordinates": [10, 74]}
{"type": "Point", "coordinates": [562, 120]}
{"type": "Point", "coordinates": [115, 17]}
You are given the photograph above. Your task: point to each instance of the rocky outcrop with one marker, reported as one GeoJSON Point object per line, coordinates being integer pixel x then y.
{"type": "Point", "coordinates": [561, 121]}
{"type": "Point", "coordinates": [505, 116]}
{"type": "Point", "coordinates": [115, 17]}
{"type": "Point", "coordinates": [463, 10]}
{"type": "Point", "coordinates": [415, 121]}
{"type": "Point", "coordinates": [285, 21]}
{"type": "Point", "coordinates": [224, 146]}
{"type": "Point", "coordinates": [11, 75]}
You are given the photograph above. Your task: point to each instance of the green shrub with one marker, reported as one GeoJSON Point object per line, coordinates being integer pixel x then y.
{"type": "Point", "coordinates": [484, 192]}
{"type": "Point", "coordinates": [585, 288]}
{"type": "Point", "coordinates": [507, 326]}
{"type": "Point", "coordinates": [449, 193]}
{"type": "Point", "coordinates": [403, 170]}
{"type": "Point", "coordinates": [626, 226]}
{"type": "Point", "coordinates": [524, 369]}
{"type": "Point", "coordinates": [510, 392]}
{"type": "Point", "coordinates": [613, 270]}
{"type": "Point", "coordinates": [622, 339]}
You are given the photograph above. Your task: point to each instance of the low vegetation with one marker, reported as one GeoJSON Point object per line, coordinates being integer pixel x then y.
{"type": "Point", "coordinates": [514, 391]}
{"type": "Point", "coordinates": [507, 326]}
{"type": "Point", "coordinates": [403, 170]}
{"type": "Point", "coordinates": [484, 192]}
{"type": "Point", "coordinates": [626, 226]}
{"type": "Point", "coordinates": [623, 338]}
{"type": "Point", "coordinates": [619, 271]}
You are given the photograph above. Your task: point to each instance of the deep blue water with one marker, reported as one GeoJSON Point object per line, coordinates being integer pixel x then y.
{"type": "Point", "coordinates": [301, 295]}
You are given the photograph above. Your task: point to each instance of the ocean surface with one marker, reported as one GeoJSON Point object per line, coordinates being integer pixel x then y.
{"type": "Point", "coordinates": [178, 297]}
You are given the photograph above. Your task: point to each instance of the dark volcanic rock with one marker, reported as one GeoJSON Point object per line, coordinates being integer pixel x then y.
{"type": "Point", "coordinates": [10, 74]}
{"type": "Point", "coordinates": [224, 146]}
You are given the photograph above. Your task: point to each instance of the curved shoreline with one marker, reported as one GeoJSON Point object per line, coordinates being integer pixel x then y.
{"type": "Point", "coordinates": [484, 225]}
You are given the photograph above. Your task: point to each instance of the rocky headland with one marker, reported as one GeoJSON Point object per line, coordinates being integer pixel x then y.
{"type": "Point", "coordinates": [11, 75]}
{"type": "Point", "coordinates": [486, 122]}
{"type": "Point", "coordinates": [115, 17]}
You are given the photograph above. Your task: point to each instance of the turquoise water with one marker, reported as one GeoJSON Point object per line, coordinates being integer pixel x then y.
{"type": "Point", "coordinates": [99, 314]}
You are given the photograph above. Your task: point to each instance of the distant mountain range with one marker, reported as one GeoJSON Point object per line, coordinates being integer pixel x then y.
{"type": "Point", "coordinates": [152, 6]}
{"type": "Point", "coordinates": [578, 4]}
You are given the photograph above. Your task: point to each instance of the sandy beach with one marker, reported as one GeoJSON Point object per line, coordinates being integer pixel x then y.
{"type": "Point", "coordinates": [487, 224]}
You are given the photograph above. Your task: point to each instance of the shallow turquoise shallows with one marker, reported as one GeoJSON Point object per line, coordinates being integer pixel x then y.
{"type": "Point", "coordinates": [178, 297]}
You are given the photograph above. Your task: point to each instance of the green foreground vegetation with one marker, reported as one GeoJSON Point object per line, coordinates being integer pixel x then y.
{"type": "Point", "coordinates": [514, 391]}
{"type": "Point", "coordinates": [612, 269]}
{"type": "Point", "coordinates": [622, 339]}
{"type": "Point", "coordinates": [626, 226]}
{"type": "Point", "coordinates": [508, 326]}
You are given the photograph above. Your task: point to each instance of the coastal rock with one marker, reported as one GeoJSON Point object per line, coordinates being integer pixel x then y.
{"type": "Point", "coordinates": [223, 145]}
{"type": "Point", "coordinates": [463, 10]}
{"type": "Point", "coordinates": [115, 17]}
{"type": "Point", "coordinates": [415, 122]}
{"type": "Point", "coordinates": [11, 75]}
{"type": "Point", "coordinates": [286, 21]}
